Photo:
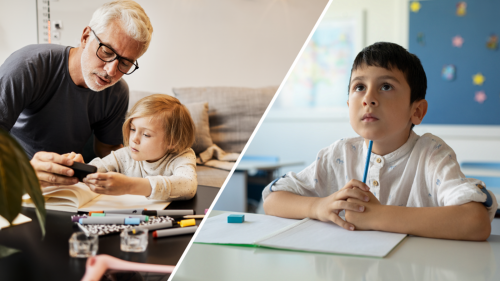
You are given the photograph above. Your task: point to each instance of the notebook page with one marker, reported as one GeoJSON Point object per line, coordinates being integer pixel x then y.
{"type": "Point", "coordinates": [64, 198]}
{"type": "Point", "coordinates": [114, 202]}
{"type": "Point", "coordinates": [316, 236]}
{"type": "Point", "coordinates": [217, 230]}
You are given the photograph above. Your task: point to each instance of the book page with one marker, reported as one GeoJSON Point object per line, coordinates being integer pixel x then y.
{"type": "Point", "coordinates": [64, 198]}
{"type": "Point", "coordinates": [217, 230]}
{"type": "Point", "coordinates": [114, 202]}
{"type": "Point", "coordinates": [317, 236]}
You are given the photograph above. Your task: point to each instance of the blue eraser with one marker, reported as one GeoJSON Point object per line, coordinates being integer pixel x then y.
{"type": "Point", "coordinates": [132, 221]}
{"type": "Point", "coordinates": [235, 218]}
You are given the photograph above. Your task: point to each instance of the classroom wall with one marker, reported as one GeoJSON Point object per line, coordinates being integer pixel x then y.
{"type": "Point", "coordinates": [300, 139]}
{"type": "Point", "coordinates": [195, 42]}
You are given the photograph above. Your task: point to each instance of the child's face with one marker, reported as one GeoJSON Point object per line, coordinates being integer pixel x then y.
{"type": "Point", "coordinates": [147, 139]}
{"type": "Point", "coordinates": [379, 106]}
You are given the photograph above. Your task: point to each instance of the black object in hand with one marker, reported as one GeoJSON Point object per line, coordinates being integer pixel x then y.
{"type": "Point", "coordinates": [82, 170]}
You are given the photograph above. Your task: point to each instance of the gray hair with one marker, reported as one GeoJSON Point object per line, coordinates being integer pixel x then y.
{"type": "Point", "coordinates": [133, 19]}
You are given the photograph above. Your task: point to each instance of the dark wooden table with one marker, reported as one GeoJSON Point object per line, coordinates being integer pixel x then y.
{"type": "Point", "coordinates": [49, 259]}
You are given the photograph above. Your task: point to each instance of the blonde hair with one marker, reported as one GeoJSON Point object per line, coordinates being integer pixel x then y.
{"type": "Point", "coordinates": [132, 17]}
{"type": "Point", "coordinates": [174, 117]}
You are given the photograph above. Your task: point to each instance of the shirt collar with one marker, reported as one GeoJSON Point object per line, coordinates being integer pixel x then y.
{"type": "Point", "coordinates": [398, 153]}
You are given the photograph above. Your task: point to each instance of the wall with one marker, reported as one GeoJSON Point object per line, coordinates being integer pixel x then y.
{"type": "Point", "coordinates": [300, 138]}
{"type": "Point", "coordinates": [195, 42]}
{"type": "Point", "coordinates": [17, 26]}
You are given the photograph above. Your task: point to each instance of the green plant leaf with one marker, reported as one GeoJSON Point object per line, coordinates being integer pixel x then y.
{"type": "Point", "coordinates": [6, 251]}
{"type": "Point", "coordinates": [16, 177]}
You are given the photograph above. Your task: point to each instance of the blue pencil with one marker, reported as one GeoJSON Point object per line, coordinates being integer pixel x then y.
{"type": "Point", "coordinates": [367, 160]}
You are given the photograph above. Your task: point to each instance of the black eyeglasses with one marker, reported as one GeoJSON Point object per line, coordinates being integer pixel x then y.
{"type": "Point", "coordinates": [107, 54]}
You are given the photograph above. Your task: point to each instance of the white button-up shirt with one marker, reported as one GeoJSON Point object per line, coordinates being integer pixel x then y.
{"type": "Point", "coordinates": [424, 172]}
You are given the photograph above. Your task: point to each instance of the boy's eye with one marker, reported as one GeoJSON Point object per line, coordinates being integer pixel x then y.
{"type": "Point", "coordinates": [359, 88]}
{"type": "Point", "coordinates": [386, 87]}
{"type": "Point", "coordinates": [146, 135]}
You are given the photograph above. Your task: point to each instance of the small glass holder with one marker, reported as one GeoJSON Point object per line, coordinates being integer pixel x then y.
{"type": "Point", "coordinates": [82, 245]}
{"type": "Point", "coordinates": [134, 240]}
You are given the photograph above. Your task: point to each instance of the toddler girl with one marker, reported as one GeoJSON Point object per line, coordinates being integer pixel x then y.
{"type": "Point", "coordinates": [157, 160]}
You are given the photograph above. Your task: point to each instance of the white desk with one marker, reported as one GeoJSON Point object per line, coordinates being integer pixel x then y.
{"type": "Point", "coordinates": [415, 258]}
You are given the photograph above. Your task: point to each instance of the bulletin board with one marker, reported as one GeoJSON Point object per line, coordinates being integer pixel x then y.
{"type": "Point", "coordinates": [458, 45]}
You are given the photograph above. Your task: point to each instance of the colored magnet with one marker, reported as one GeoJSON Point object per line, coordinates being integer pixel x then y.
{"type": "Point", "coordinates": [480, 97]}
{"type": "Point", "coordinates": [421, 39]}
{"type": "Point", "coordinates": [235, 218]}
{"type": "Point", "coordinates": [457, 41]}
{"type": "Point", "coordinates": [415, 6]}
{"type": "Point", "coordinates": [478, 79]}
{"type": "Point", "coordinates": [492, 43]}
{"type": "Point", "coordinates": [448, 72]}
{"type": "Point", "coordinates": [461, 9]}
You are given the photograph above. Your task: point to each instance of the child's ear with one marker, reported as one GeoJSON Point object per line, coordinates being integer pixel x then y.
{"type": "Point", "coordinates": [419, 109]}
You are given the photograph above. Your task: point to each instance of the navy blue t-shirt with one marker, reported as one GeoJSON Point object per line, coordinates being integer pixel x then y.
{"type": "Point", "coordinates": [46, 111]}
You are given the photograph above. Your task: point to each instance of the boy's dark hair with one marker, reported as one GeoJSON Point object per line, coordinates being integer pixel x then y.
{"type": "Point", "coordinates": [390, 55]}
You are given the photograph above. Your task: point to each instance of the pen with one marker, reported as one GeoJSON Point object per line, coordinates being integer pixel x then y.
{"type": "Point", "coordinates": [141, 217]}
{"type": "Point", "coordinates": [168, 212]}
{"type": "Point", "coordinates": [109, 220]}
{"type": "Point", "coordinates": [174, 231]}
{"type": "Point", "coordinates": [367, 160]}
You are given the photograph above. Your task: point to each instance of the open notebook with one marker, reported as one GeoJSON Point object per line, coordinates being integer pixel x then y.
{"type": "Point", "coordinates": [299, 235]}
{"type": "Point", "coordinates": [79, 197]}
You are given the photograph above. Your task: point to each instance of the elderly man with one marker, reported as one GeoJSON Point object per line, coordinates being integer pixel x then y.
{"type": "Point", "coordinates": [52, 96]}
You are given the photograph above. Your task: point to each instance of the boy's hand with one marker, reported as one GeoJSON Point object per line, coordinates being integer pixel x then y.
{"type": "Point", "coordinates": [109, 183]}
{"type": "Point", "coordinates": [328, 208]}
{"type": "Point", "coordinates": [366, 219]}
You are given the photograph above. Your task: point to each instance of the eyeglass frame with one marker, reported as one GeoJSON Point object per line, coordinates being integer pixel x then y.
{"type": "Point", "coordinates": [118, 57]}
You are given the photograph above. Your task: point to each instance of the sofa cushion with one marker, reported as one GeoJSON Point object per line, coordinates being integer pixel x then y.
{"type": "Point", "coordinates": [233, 112]}
{"type": "Point", "coordinates": [199, 114]}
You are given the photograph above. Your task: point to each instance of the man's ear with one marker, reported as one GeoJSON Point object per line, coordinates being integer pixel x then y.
{"type": "Point", "coordinates": [419, 109]}
{"type": "Point", "coordinates": [347, 103]}
{"type": "Point", "coordinates": [85, 37]}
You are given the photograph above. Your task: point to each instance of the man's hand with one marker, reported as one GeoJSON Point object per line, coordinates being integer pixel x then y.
{"type": "Point", "coordinates": [366, 219]}
{"type": "Point", "coordinates": [328, 208]}
{"type": "Point", "coordinates": [75, 157]}
{"type": "Point", "coordinates": [51, 169]}
{"type": "Point", "coordinates": [112, 183]}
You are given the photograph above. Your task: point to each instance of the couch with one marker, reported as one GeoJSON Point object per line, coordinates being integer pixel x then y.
{"type": "Point", "coordinates": [224, 116]}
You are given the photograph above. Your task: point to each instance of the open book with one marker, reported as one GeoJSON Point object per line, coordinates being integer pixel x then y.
{"type": "Point", "coordinates": [79, 197]}
{"type": "Point", "coordinates": [299, 235]}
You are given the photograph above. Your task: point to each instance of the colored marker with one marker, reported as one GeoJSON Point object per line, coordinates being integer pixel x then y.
{"type": "Point", "coordinates": [174, 231]}
{"type": "Point", "coordinates": [155, 226]}
{"type": "Point", "coordinates": [77, 218]}
{"type": "Point", "coordinates": [123, 211]}
{"type": "Point", "coordinates": [168, 212]}
{"type": "Point", "coordinates": [141, 217]}
{"type": "Point", "coordinates": [110, 220]}
{"type": "Point", "coordinates": [184, 223]}
{"type": "Point", "coordinates": [367, 160]}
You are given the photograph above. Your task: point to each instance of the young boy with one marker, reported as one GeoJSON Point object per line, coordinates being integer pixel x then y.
{"type": "Point", "coordinates": [386, 99]}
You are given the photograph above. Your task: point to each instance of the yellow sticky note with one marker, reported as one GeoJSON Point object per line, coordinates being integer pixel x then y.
{"type": "Point", "coordinates": [415, 6]}
{"type": "Point", "coordinates": [478, 79]}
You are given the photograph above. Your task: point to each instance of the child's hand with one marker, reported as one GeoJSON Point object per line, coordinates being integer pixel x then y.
{"type": "Point", "coordinates": [366, 219]}
{"type": "Point", "coordinates": [75, 157]}
{"type": "Point", "coordinates": [108, 183]}
{"type": "Point", "coordinates": [328, 208]}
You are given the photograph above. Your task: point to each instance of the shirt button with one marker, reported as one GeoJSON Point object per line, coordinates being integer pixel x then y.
{"type": "Point", "coordinates": [375, 183]}
{"type": "Point", "coordinates": [379, 160]}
